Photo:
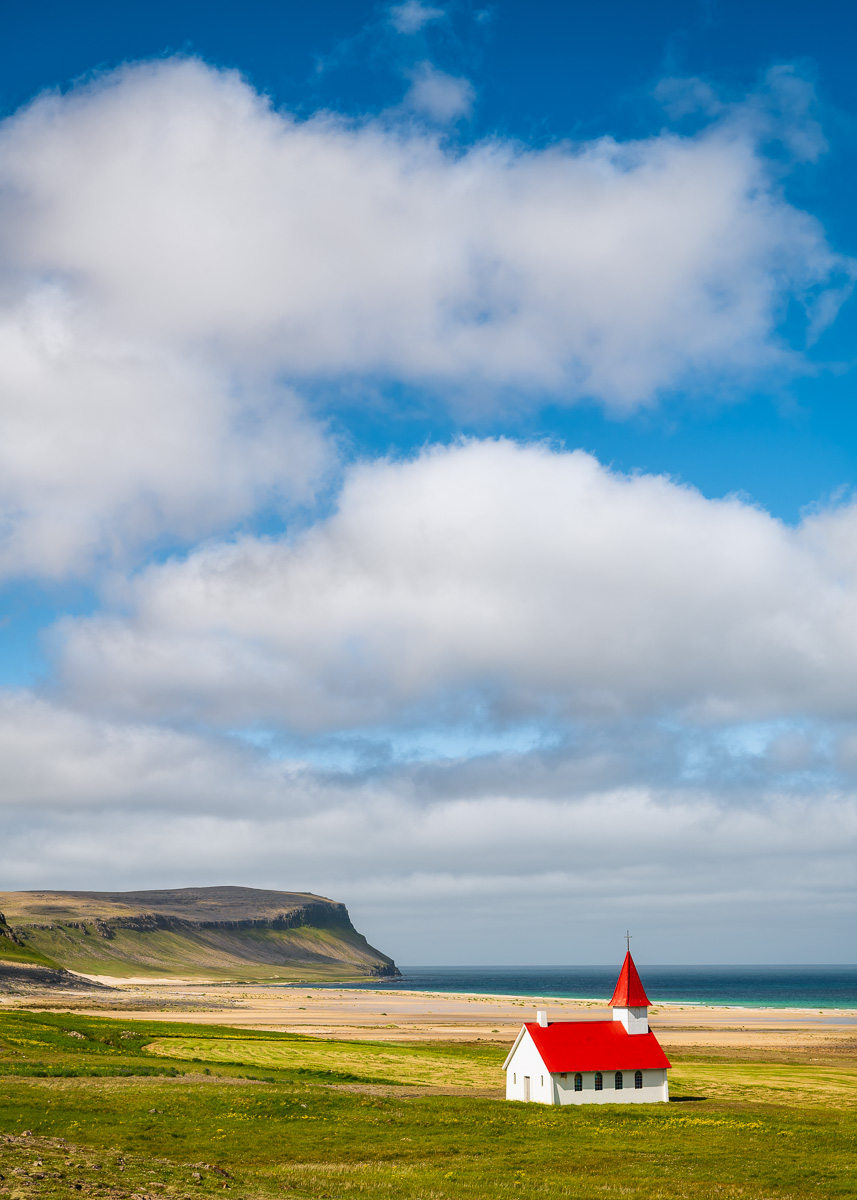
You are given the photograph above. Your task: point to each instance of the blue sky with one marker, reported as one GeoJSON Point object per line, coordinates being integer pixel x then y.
{"type": "Point", "coordinates": [429, 462]}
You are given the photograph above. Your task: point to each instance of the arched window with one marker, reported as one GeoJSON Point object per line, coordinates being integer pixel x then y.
{"type": "Point", "coordinates": [638, 1079]}
{"type": "Point", "coordinates": [514, 1077]}
{"type": "Point", "coordinates": [619, 1083]}
{"type": "Point", "coordinates": [578, 1082]}
{"type": "Point", "coordinates": [599, 1081]}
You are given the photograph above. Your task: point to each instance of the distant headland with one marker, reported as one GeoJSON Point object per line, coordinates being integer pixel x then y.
{"type": "Point", "coordinates": [215, 933]}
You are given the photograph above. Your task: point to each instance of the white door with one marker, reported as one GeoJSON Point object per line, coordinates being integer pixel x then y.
{"type": "Point", "coordinates": [526, 1087]}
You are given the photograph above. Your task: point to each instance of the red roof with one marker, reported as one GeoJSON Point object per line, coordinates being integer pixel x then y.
{"type": "Point", "coordinates": [595, 1046]}
{"type": "Point", "coordinates": [629, 991]}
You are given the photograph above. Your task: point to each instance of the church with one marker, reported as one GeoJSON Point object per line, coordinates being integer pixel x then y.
{"type": "Point", "coordinates": [592, 1062]}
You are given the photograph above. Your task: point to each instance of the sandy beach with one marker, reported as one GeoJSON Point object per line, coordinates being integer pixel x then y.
{"type": "Point", "coordinates": [385, 1014]}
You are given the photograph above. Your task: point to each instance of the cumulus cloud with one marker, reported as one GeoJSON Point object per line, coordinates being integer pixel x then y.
{"type": "Point", "coordinates": [497, 582]}
{"type": "Point", "coordinates": [107, 445]}
{"type": "Point", "coordinates": [428, 867]}
{"type": "Point", "coordinates": [171, 248]}
{"type": "Point", "coordinates": [175, 200]}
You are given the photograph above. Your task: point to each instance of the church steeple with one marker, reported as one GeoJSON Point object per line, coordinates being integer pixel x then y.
{"type": "Point", "coordinates": [629, 1001]}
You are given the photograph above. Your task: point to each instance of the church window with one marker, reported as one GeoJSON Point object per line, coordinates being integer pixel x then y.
{"type": "Point", "coordinates": [619, 1081]}
{"type": "Point", "coordinates": [599, 1081]}
{"type": "Point", "coordinates": [514, 1077]}
{"type": "Point", "coordinates": [578, 1082]}
{"type": "Point", "coordinates": [638, 1079]}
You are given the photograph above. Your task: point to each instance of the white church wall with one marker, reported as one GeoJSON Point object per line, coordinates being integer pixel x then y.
{"type": "Point", "coordinates": [526, 1064]}
{"type": "Point", "coordinates": [655, 1088]}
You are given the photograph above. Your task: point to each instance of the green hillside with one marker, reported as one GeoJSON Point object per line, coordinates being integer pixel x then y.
{"type": "Point", "coordinates": [13, 950]}
{"type": "Point", "coordinates": [213, 933]}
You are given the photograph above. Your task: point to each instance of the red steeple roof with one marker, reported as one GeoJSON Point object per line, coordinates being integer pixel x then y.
{"type": "Point", "coordinates": [629, 991]}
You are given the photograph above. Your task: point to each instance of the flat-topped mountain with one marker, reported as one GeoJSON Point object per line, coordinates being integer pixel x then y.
{"type": "Point", "coordinates": [209, 932]}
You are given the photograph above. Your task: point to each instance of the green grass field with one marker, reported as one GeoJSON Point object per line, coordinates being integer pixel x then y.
{"type": "Point", "coordinates": [143, 1109]}
{"type": "Point", "coordinates": [380, 1063]}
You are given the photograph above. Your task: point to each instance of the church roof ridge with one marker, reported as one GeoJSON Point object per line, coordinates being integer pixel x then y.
{"type": "Point", "coordinates": [593, 1046]}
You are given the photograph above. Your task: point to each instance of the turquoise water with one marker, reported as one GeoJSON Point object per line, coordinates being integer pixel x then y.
{"type": "Point", "coordinates": [768, 987]}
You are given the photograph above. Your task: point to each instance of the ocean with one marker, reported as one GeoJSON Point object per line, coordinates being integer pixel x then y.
{"type": "Point", "coordinates": [754, 987]}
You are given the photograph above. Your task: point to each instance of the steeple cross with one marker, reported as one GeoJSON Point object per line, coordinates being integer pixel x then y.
{"type": "Point", "coordinates": [628, 940]}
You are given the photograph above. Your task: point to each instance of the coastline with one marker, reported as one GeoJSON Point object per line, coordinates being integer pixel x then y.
{"type": "Point", "coordinates": [777, 986]}
{"type": "Point", "coordinates": [850, 1010]}
{"type": "Point", "coordinates": [394, 1015]}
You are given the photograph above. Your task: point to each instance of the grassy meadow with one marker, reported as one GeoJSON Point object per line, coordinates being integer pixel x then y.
{"type": "Point", "coordinates": [98, 1107]}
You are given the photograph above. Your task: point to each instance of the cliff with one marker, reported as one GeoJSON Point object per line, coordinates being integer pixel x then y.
{"type": "Point", "coordinates": [211, 933]}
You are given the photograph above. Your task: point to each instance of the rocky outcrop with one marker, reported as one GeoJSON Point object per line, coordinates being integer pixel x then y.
{"type": "Point", "coordinates": [327, 915]}
{"type": "Point", "coordinates": [6, 932]}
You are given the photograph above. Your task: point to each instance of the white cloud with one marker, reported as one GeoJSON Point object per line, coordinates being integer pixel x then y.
{"type": "Point", "coordinates": [411, 17]}
{"type": "Point", "coordinates": [170, 245]}
{"type": "Point", "coordinates": [439, 96]}
{"type": "Point", "coordinates": [171, 198]}
{"type": "Point", "coordinates": [107, 444]}
{"type": "Point", "coordinates": [57, 760]}
{"type": "Point", "coordinates": [431, 871]}
{"type": "Point", "coordinates": [495, 580]}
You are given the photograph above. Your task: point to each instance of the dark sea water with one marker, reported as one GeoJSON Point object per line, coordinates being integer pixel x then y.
{"type": "Point", "coordinates": [769, 987]}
